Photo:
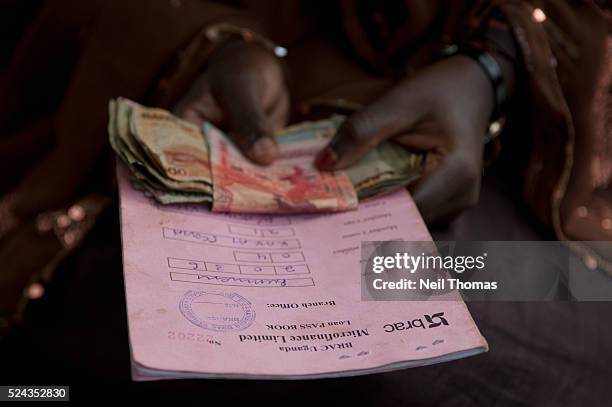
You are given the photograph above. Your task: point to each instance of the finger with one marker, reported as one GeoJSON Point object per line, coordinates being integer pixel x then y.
{"type": "Point", "coordinates": [251, 127]}
{"type": "Point", "coordinates": [199, 113]}
{"type": "Point", "coordinates": [198, 105]}
{"type": "Point", "coordinates": [364, 130]}
{"type": "Point", "coordinates": [450, 188]}
{"type": "Point", "coordinates": [278, 113]}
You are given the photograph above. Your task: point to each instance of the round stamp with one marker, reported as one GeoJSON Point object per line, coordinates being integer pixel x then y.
{"type": "Point", "coordinates": [217, 311]}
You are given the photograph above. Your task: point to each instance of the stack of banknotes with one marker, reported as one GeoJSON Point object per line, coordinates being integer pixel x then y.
{"type": "Point", "coordinates": [174, 161]}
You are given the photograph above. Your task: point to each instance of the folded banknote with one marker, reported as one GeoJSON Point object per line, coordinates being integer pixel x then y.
{"type": "Point", "coordinates": [174, 161]}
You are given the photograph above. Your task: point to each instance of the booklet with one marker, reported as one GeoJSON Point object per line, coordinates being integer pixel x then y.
{"type": "Point", "coordinates": [213, 295]}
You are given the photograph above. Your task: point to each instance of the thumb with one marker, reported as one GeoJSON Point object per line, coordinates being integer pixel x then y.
{"type": "Point", "coordinates": [364, 130]}
{"type": "Point", "coordinates": [252, 129]}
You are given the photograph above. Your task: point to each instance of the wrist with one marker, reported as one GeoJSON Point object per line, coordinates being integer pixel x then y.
{"type": "Point", "coordinates": [476, 88]}
{"type": "Point", "coordinates": [508, 72]}
{"type": "Point", "coordinates": [491, 69]}
{"type": "Point", "coordinates": [228, 46]}
{"type": "Point", "coordinates": [228, 34]}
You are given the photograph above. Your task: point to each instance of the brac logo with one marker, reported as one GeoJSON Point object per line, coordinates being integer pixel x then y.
{"type": "Point", "coordinates": [439, 316]}
{"type": "Point", "coordinates": [432, 321]}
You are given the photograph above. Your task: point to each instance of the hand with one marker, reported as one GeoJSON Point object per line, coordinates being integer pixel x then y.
{"type": "Point", "coordinates": [443, 110]}
{"type": "Point", "coordinates": [242, 89]}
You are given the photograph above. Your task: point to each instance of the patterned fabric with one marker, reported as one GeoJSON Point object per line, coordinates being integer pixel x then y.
{"type": "Point", "coordinates": [54, 148]}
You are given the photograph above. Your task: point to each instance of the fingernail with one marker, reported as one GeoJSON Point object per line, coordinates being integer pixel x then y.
{"type": "Point", "coordinates": [264, 150]}
{"type": "Point", "coordinates": [326, 159]}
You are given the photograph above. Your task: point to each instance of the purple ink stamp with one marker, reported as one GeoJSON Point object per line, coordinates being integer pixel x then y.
{"type": "Point", "coordinates": [217, 311]}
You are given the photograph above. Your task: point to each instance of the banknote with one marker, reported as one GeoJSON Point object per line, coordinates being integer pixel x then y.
{"type": "Point", "coordinates": [158, 166]}
{"type": "Point", "coordinates": [290, 185]}
{"type": "Point", "coordinates": [174, 161]}
{"type": "Point", "coordinates": [387, 167]}
{"type": "Point", "coordinates": [176, 147]}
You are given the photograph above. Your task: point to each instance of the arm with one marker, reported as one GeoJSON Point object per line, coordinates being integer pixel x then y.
{"type": "Point", "coordinates": [444, 110]}
{"type": "Point", "coordinates": [128, 62]}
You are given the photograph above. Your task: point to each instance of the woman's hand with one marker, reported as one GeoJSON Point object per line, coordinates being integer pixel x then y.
{"type": "Point", "coordinates": [443, 110]}
{"type": "Point", "coordinates": [242, 89]}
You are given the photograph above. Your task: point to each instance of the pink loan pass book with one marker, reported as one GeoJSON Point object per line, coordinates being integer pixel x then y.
{"type": "Point", "coordinates": [214, 295]}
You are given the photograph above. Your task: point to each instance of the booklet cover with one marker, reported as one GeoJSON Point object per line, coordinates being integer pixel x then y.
{"type": "Point", "coordinates": [213, 295]}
